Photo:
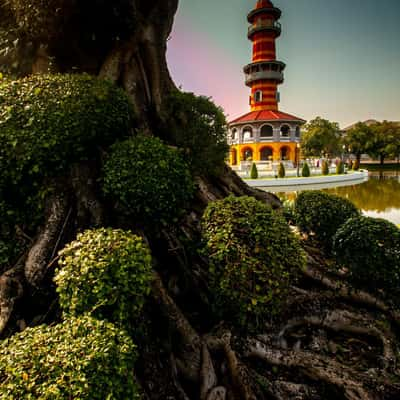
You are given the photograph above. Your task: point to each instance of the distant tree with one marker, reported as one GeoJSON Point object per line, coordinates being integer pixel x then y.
{"type": "Point", "coordinates": [357, 139]}
{"type": "Point", "coordinates": [321, 136]}
{"type": "Point", "coordinates": [340, 167]}
{"type": "Point", "coordinates": [325, 168]}
{"type": "Point", "coordinates": [385, 141]}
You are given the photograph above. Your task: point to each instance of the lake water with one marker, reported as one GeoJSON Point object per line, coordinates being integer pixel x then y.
{"type": "Point", "coordinates": [379, 197]}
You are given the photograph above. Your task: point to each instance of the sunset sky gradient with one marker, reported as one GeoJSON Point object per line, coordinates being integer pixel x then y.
{"type": "Point", "coordinates": [342, 56]}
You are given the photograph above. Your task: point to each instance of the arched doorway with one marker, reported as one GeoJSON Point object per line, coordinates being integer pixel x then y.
{"type": "Point", "coordinates": [233, 157]}
{"type": "Point", "coordinates": [247, 154]}
{"type": "Point", "coordinates": [266, 153]}
{"type": "Point", "coordinates": [285, 153]}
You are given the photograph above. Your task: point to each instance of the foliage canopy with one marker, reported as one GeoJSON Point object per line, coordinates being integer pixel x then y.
{"type": "Point", "coordinates": [320, 136]}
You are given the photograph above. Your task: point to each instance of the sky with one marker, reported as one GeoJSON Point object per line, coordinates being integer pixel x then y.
{"type": "Point", "coordinates": [342, 56]}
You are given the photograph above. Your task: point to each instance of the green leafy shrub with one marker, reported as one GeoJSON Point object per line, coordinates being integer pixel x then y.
{"type": "Point", "coordinates": [105, 272]}
{"type": "Point", "coordinates": [340, 167]}
{"type": "Point", "coordinates": [151, 180]}
{"type": "Point", "coordinates": [322, 214]}
{"type": "Point", "coordinates": [370, 249]}
{"type": "Point", "coordinates": [305, 171]}
{"type": "Point", "coordinates": [325, 167]}
{"type": "Point", "coordinates": [356, 165]}
{"type": "Point", "coordinates": [281, 170]}
{"type": "Point", "coordinates": [254, 257]}
{"type": "Point", "coordinates": [253, 171]}
{"type": "Point", "coordinates": [49, 121]}
{"type": "Point", "coordinates": [198, 126]}
{"type": "Point", "coordinates": [81, 358]}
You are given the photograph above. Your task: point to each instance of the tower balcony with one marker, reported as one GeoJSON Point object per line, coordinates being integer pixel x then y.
{"type": "Point", "coordinates": [276, 76]}
{"type": "Point", "coordinates": [264, 25]}
{"type": "Point", "coordinates": [264, 70]}
{"type": "Point", "coordinates": [265, 10]}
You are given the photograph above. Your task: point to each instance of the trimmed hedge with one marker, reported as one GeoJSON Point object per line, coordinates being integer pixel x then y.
{"type": "Point", "coordinates": [254, 258]}
{"type": "Point", "coordinates": [253, 171]}
{"type": "Point", "coordinates": [150, 179]}
{"type": "Point", "coordinates": [198, 126]}
{"type": "Point", "coordinates": [281, 170]}
{"type": "Point", "coordinates": [81, 358]}
{"type": "Point", "coordinates": [322, 214]}
{"type": "Point", "coordinates": [305, 171]}
{"type": "Point", "coordinates": [49, 121]}
{"type": "Point", "coordinates": [370, 249]}
{"type": "Point", "coordinates": [107, 273]}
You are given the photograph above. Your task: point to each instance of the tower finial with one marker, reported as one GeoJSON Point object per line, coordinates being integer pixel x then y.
{"type": "Point", "coordinates": [264, 4]}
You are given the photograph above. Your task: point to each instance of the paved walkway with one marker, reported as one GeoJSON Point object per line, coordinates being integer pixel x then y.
{"type": "Point", "coordinates": [312, 182]}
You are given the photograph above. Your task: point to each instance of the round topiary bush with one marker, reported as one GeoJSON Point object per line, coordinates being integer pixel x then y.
{"type": "Point", "coordinates": [254, 258]}
{"type": "Point", "coordinates": [281, 170]}
{"type": "Point", "coordinates": [150, 179]}
{"type": "Point", "coordinates": [198, 126]}
{"type": "Point", "coordinates": [253, 171]}
{"type": "Point", "coordinates": [321, 214]}
{"type": "Point", "coordinates": [305, 171]}
{"type": "Point", "coordinates": [81, 358]}
{"type": "Point", "coordinates": [325, 168]}
{"type": "Point", "coordinates": [105, 272]}
{"type": "Point", "coordinates": [370, 249]}
{"type": "Point", "coordinates": [49, 121]}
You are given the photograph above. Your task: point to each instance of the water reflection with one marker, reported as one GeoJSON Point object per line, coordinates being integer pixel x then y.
{"type": "Point", "coordinates": [379, 197]}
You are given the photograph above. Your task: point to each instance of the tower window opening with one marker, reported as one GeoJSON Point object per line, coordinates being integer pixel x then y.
{"type": "Point", "coordinates": [285, 130]}
{"type": "Point", "coordinates": [266, 131]}
{"type": "Point", "coordinates": [233, 134]}
{"type": "Point", "coordinates": [247, 133]}
{"type": "Point", "coordinates": [258, 96]}
{"type": "Point", "coordinates": [297, 131]}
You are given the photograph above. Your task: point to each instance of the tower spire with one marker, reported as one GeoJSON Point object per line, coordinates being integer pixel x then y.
{"type": "Point", "coordinates": [264, 73]}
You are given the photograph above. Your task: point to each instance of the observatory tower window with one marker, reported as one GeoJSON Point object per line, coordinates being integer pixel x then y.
{"type": "Point", "coordinates": [258, 96]}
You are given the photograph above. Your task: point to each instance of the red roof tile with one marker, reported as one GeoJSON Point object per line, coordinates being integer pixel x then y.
{"type": "Point", "coordinates": [266, 115]}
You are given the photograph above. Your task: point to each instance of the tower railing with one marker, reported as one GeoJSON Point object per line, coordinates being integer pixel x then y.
{"type": "Point", "coordinates": [264, 24]}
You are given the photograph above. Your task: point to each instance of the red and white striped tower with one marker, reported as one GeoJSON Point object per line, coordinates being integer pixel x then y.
{"type": "Point", "coordinates": [265, 135]}
{"type": "Point", "coordinates": [264, 73]}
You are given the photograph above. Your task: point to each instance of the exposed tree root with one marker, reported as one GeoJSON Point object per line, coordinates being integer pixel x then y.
{"type": "Point", "coordinates": [48, 239]}
{"type": "Point", "coordinates": [11, 290]}
{"type": "Point", "coordinates": [346, 292]}
{"type": "Point", "coordinates": [345, 321]}
{"type": "Point", "coordinates": [315, 367]}
{"type": "Point", "coordinates": [189, 359]}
